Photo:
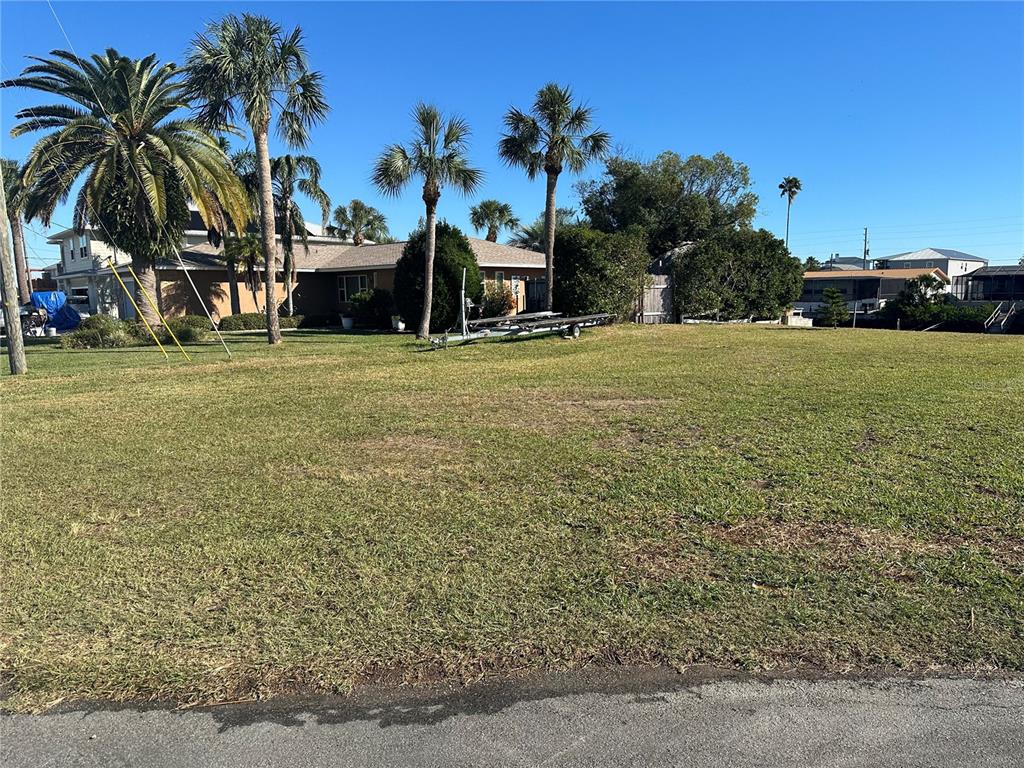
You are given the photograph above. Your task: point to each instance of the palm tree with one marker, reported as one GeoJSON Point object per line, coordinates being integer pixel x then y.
{"type": "Point", "coordinates": [141, 167]}
{"type": "Point", "coordinates": [15, 192]}
{"type": "Point", "coordinates": [553, 135]}
{"type": "Point", "coordinates": [789, 188]}
{"type": "Point", "coordinates": [437, 154]}
{"type": "Point", "coordinates": [243, 251]}
{"type": "Point", "coordinates": [293, 173]}
{"type": "Point", "coordinates": [492, 216]}
{"type": "Point", "coordinates": [289, 173]}
{"type": "Point", "coordinates": [247, 62]}
{"type": "Point", "coordinates": [360, 222]}
{"type": "Point", "coordinates": [532, 235]}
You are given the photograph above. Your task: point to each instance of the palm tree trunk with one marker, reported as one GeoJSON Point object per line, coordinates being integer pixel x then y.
{"type": "Point", "coordinates": [12, 318]}
{"type": "Point", "coordinates": [492, 234]}
{"type": "Point", "coordinates": [428, 272]}
{"type": "Point", "coordinates": [236, 304]}
{"type": "Point", "coordinates": [549, 239]}
{"type": "Point", "coordinates": [289, 255]}
{"type": "Point", "coordinates": [789, 204]}
{"type": "Point", "coordinates": [268, 234]}
{"type": "Point", "coordinates": [146, 273]}
{"type": "Point", "coordinates": [20, 262]}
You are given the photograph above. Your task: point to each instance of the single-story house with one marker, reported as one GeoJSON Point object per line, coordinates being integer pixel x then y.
{"type": "Point", "coordinates": [327, 276]}
{"type": "Point", "coordinates": [866, 289]}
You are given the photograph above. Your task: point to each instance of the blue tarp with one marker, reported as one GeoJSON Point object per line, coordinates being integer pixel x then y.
{"type": "Point", "coordinates": [66, 318]}
{"type": "Point", "coordinates": [51, 301]}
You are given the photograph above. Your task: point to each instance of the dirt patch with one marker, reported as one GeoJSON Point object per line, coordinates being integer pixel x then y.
{"type": "Point", "coordinates": [661, 561]}
{"type": "Point", "coordinates": [787, 536]}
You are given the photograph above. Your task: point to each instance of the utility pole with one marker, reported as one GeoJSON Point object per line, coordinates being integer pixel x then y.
{"type": "Point", "coordinates": [866, 251]}
{"type": "Point", "coordinates": [12, 317]}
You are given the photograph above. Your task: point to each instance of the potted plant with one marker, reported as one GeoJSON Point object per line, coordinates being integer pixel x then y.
{"type": "Point", "coordinates": [397, 323]}
{"type": "Point", "coordinates": [347, 322]}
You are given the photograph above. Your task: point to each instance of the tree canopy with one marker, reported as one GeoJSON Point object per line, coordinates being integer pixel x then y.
{"type": "Point", "coordinates": [736, 274]}
{"type": "Point", "coordinates": [673, 200]}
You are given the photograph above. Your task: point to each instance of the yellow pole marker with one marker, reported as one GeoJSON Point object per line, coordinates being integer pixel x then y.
{"type": "Point", "coordinates": [136, 306]}
{"type": "Point", "coordinates": [157, 310]}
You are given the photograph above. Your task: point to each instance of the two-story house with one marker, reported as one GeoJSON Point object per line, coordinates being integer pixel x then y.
{"type": "Point", "coordinates": [956, 265]}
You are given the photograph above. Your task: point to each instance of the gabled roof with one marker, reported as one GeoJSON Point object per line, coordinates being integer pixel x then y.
{"type": "Point", "coordinates": [930, 254]}
{"type": "Point", "coordinates": [888, 274]}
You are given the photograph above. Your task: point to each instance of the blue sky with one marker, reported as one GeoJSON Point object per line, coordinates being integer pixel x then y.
{"type": "Point", "coordinates": [905, 118]}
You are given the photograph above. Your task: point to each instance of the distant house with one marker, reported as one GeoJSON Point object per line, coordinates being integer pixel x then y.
{"type": "Point", "coordinates": [955, 264]}
{"type": "Point", "coordinates": [995, 284]}
{"type": "Point", "coordinates": [328, 276]}
{"type": "Point", "coordinates": [866, 289]}
{"type": "Point", "coordinates": [843, 263]}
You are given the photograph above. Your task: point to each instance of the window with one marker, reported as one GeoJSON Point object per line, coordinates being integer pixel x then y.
{"type": "Point", "coordinates": [499, 278]}
{"type": "Point", "coordinates": [929, 263]}
{"type": "Point", "coordinates": [350, 285]}
{"type": "Point", "coordinates": [80, 295]}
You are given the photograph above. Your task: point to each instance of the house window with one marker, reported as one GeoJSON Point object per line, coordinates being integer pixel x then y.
{"type": "Point", "coordinates": [929, 263]}
{"type": "Point", "coordinates": [350, 285]}
{"type": "Point", "coordinates": [80, 295]}
{"type": "Point", "coordinates": [499, 278]}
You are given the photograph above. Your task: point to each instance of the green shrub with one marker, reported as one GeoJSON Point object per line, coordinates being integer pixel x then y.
{"type": "Point", "coordinates": [599, 272]}
{"type": "Point", "coordinates": [101, 323]}
{"type": "Point", "coordinates": [192, 321]}
{"type": "Point", "coordinates": [288, 321]}
{"type": "Point", "coordinates": [95, 338]}
{"type": "Point", "coordinates": [498, 300]}
{"type": "Point", "coordinates": [373, 307]}
{"type": "Point", "coordinates": [246, 321]}
{"type": "Point", "coordinates": [189, 334]}
{"type": "Point", "coordinates": [452, 254]}
{"type": "Point", "coordinates": [319, 321]}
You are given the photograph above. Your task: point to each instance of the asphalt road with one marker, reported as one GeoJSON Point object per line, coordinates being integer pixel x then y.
{"type": "Point", "coordinates": [647, 718]}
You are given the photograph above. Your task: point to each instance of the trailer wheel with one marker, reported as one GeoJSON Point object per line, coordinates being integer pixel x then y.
{"type": "Point", "coordinates": [573, 332]}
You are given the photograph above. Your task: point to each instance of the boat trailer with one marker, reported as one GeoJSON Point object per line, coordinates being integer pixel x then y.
{"type": "Point", "coordinates": [525, 324]}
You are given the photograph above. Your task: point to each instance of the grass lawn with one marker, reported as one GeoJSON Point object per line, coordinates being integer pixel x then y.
{"type": "Point", "coordinates": [343, 509]}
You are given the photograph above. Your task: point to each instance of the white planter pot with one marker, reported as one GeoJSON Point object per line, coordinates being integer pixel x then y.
{"type": "Point", "coordinates": [347, 323]}
{"type": "Point", "coordinates": [398, 323]}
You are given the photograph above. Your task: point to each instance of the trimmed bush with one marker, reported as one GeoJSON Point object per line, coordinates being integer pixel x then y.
{"type": "Point", "coordinates": [319, 321]}
{"type": "Point", "coordinates": [189, 334]}
{"type": "Point", "coordinates": [498, 300]}
{"type": "Point", "coordinates": [256, 321]}
{"type": "Point", "coordinates": [192, 321]}
{"type": "Point", "coordinates": [95, 338]}
{"type": "Point", "coordinates": [373, 308]}
{"type": "Point", "coordinates": [598, 272]}
{"type": "Point", "coordinates": [246, 321]}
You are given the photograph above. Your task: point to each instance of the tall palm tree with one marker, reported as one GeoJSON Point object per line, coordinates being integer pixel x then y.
{"type": "Point", "coordinates": [15, 195]}
{"type": "Point", "coordinates": [247, 62]}
{"type": "Point", "coordinates": [554, 134]}
{"type": "Point", "coordinates": [789, 188]}
{"type": "Point", "coordinates": [437, 154]}
{"type": "Point", "coordinates": [360, 222]}
{"type": "Point", "coordinates": [289, 174]}
{"type": "Point", "coordinates": [492, 216]}
{"type": "Point", "coordinates": [293, 173]}
{"type": "Point", "coordinates": [141, 167]}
